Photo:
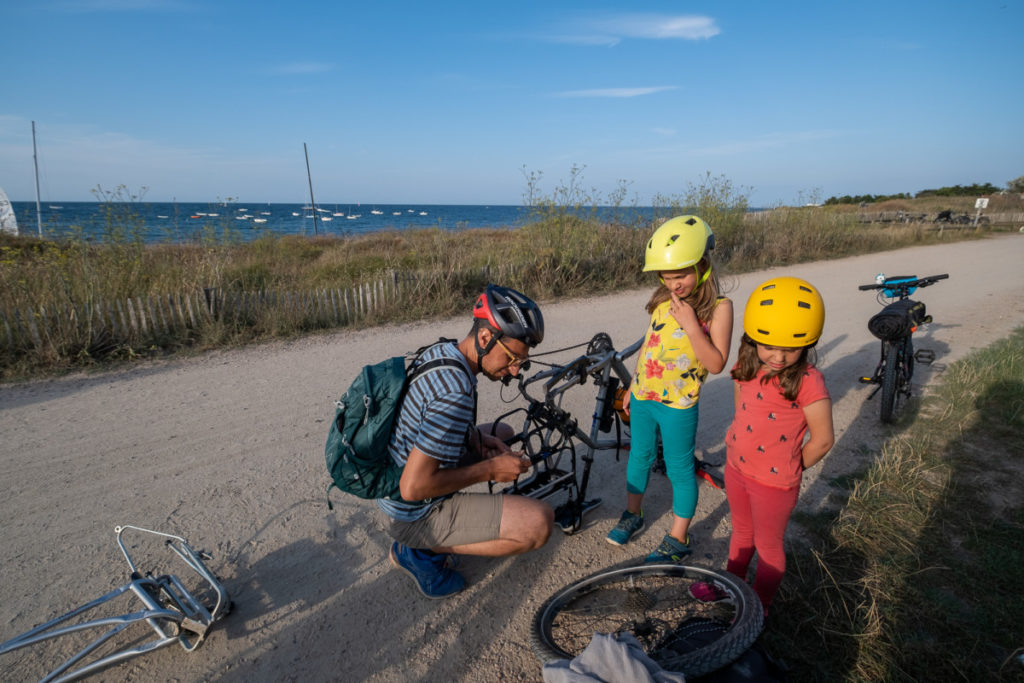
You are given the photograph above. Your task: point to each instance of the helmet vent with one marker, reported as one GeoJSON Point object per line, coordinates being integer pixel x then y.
{"type": "Point", "coordinates": [803, 304]}
{"type": "Point", "coordinates": [763, 332]}
{"type": "Point", "coordinates": [797, 335]}
{"type": "Point", "coordinates": [672, 239]}
{"type": "Point", "coordinates": [767, 302]}
{"type": "Point", "coordinates": [766, 288]}
{"type": "Point", "coordinates": [804, 289]}
{"type": "Point", "coordinates": [691, 221]}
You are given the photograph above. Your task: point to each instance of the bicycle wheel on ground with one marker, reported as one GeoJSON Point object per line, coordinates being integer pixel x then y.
{"type": "Point", "coordinates": [889, 380]}
{"type": "Point", "coordinates": [655, 604]}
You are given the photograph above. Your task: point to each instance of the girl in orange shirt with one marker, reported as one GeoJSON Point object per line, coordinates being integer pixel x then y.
{"type": "Point", "coordinates": [780, 398]}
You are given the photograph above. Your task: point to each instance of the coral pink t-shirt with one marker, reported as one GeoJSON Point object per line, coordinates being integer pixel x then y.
{"type": "Point", "coordinates": [767, 432]}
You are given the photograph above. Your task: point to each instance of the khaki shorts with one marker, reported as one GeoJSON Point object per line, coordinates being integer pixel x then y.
{"type": "Point", "coordinates": [460, 520]}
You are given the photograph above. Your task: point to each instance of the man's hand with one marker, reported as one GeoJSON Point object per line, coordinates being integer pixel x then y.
{"type": "Point", "coordinates": [491, 446]}
{"type": "Point", "coordinates": [508, 466]}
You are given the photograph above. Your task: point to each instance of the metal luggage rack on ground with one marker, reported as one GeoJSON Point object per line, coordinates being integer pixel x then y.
{"type": "Point", "coordinates": [173, 613]}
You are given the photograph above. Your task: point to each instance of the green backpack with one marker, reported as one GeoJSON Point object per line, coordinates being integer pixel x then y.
{"type": "Point", "coordinates": [357, 445]}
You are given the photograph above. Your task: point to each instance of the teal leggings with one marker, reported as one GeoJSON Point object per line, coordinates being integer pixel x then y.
{"type": "Point", "coordinates": [678, 429]}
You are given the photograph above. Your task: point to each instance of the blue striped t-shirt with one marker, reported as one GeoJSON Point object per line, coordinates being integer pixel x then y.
{"type": "Point", "coordinates": [436, 416]}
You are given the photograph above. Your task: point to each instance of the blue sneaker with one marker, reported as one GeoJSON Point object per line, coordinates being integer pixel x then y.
{"type": "Point", "coordinates": [628, 525]}
{"type": "Point", "coordinates": [430, 570]}
{"type": "Point", "coordinates": [670, 550]}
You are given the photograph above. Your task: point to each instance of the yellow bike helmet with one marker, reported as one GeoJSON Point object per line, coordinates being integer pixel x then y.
{"type": "Point", "coordinates": [679, 243]}
{"type": "Point", "coordinates": [786, 312]}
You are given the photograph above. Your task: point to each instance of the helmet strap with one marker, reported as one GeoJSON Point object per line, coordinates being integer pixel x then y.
{"type": "Point", "coordinates": [701, 279]}
{"type": "Point", "coordinates": [483, 351]}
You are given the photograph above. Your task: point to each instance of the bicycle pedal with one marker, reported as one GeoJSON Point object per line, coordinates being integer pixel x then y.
{"type": "Point", "coordinates": [866, 380]}
{"type": "Point", "coordinates": [924, 356]}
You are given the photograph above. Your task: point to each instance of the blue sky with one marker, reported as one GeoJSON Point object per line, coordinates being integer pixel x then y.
{"type": "Point", "coordinates": [449, 102]}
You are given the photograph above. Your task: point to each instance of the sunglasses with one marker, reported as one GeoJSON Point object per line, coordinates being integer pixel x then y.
{"type": "Point", "coordinates": [514, 360]}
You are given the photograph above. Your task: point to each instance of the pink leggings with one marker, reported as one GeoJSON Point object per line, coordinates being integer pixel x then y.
{"type": "Point", "coordinates": [759, 514]}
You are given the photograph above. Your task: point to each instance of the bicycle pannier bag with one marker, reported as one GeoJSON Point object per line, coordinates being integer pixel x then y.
{"type": "Point", "coordinates": [897, 320]}
{"type": "Point", "coordinates": [357, 444]}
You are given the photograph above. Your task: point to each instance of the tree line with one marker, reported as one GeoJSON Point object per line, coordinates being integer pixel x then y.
{"type": "Point", "coordinates": [976, 190]}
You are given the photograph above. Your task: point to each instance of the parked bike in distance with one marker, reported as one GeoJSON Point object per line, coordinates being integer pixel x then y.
{"type": "Point", "coordinates": [894, 326]}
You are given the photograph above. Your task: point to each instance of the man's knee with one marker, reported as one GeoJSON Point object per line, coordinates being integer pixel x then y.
{"type": "Point", "coordinates": [545, 522]}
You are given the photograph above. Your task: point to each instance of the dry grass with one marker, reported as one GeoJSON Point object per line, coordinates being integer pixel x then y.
{"type": "Point", "coordinates": [563, 251]}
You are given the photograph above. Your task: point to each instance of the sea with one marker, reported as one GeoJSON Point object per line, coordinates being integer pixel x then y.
{"type": "Point", "coordinates": [156, 222]}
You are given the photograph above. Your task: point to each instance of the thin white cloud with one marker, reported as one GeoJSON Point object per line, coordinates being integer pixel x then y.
{"type": "Point", "coordinates": [661, 27]}
{"type": "Point", "coordinates": [615, 92]}
{"type": "Point", "coordinates": [611, 30]}
{"type": "Point", "coordinates": [302, 68]}
{"type": "Point", "coordinates": [90, 6]}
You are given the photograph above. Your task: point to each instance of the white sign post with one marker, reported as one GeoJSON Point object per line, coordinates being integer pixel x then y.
{"type": "Point", "coordinates": [979, 204]}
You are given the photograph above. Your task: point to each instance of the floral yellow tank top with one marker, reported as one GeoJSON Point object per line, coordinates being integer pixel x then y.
{"type": "Point", "coordinates": [667, 370]}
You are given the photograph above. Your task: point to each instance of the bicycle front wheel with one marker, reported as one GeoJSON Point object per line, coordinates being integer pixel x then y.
{"type": "Point", "coordinates": [890, 374]}
{"type": "Point", "coordinates": [655, 604]}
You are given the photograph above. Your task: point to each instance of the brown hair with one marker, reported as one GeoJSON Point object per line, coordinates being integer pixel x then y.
{"type": "Point", "coordinates": [788, 381]}
{"type": "Point", "coordinates": [703, 298]}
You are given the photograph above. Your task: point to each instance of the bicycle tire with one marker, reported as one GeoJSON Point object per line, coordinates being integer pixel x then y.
{"type": "Point", "coordinates": [651, 602]}
{"type": "Point", "coordinates": [889, 375]}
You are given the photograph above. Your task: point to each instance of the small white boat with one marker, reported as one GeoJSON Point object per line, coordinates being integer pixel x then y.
{"type": "Point", "coordinates": [423, 213]}
{"type": "Point", "coordinates": [296, 213]}
{"type": "Point", "coordinates": [56, 207]}
{"type": "Point", "coordinates": [396, 213]}
{"type": "Point", "coordinates": [352, 216]}
{"type": "Point", "coordinates": [259, 220]}
{"type": "Point", "coordinates": [375, 212]}
{"type": "Point", "coordinates": [161, 216]}
{"type": "Point", "coordinates": [213, 214]}
{"type": "Point", "coordinates": [326, 218]}
{"type": "Point", "coordinates": [339, 213]}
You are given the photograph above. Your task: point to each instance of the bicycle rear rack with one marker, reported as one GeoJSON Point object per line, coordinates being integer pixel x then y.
{"type": "Point", "coordinates": [174, 614]}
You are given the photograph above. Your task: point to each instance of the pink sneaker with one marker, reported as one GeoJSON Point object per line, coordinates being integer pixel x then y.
{"type": "Point", "coordinates": [707, 592]}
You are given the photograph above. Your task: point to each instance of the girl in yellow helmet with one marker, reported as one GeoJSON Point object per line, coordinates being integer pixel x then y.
{"type": "Point", "coordinates": [688, 337]}
{"type": "Point", "coordinates": [780, 399]}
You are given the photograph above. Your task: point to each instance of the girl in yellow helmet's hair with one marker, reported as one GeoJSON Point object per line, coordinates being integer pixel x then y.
{"type": "Point", "coordinates": [782, 424]}
{"type": "Point", "coordinates": [688, 337]}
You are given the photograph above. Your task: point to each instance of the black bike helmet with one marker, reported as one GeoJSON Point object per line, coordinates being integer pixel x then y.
{"type": "Point", "coordinates": [511, 313]}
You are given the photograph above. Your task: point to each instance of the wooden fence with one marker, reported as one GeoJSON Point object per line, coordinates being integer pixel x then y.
{"type": "Point", "coordinates": [152, 319]}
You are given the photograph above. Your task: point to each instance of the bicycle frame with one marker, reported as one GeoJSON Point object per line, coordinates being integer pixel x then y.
{"type": "Point", "coordinates": [549, 432]}
{"type": "Point", "coordinates": [173, 613]}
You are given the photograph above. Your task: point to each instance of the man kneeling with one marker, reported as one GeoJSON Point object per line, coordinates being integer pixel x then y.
{"type": "Point", "coordinates": [443, 451]}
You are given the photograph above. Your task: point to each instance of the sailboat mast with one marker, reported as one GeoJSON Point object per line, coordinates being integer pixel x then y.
{"type": "Point", "coordinates": [311, 201]}
{"type": "Point", "coordinates": [35, 161]}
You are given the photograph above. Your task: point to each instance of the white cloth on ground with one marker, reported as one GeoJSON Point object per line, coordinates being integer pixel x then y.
{"type": "Point", "coordinates": [610, 658]}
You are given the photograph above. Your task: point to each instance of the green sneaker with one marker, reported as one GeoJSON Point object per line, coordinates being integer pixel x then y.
{"type": "Point", "coordinates": [628, 525]}
{"type": "Point", "coordinates": [670, 550]}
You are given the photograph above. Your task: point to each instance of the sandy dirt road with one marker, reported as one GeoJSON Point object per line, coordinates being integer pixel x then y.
{"type": "Point", "coordinates": [227, 451]}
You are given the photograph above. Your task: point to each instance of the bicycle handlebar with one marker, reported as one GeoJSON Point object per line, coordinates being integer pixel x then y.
{"type": "Point", "coordinates": [559, 379]}
{"type": "Point", "coordinates": [896, 283]}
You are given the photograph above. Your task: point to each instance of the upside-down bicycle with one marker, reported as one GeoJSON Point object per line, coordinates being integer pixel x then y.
{"type": "Point", "coordinates": [894, 326]}
{"type": "Point", "coordinates": [173, 612]}
{"type": "Point", "coordinates": [687, 618]}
